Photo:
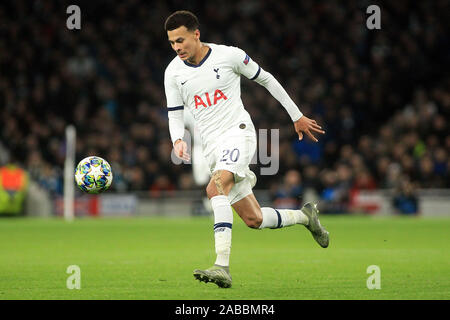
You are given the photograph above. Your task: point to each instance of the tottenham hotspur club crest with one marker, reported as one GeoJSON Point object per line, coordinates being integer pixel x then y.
{"type": "Point", "coordinates": [217, 73]}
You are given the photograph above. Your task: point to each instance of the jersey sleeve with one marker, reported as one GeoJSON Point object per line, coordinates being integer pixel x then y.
{"type": "Point", "coordinates": [175, 107]}
{"type": "Point", "coordinates": [269, 82]}
{"type": "Point", "coordinates": [173, 95]}
{"type": "Point", "coordinates": [243, 64]}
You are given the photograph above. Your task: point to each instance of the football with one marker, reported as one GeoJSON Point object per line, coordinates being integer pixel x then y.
{"type": "Point", "coordinates": [93, 175]}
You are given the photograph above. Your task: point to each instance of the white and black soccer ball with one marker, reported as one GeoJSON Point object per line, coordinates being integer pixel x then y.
{"type": "Point", "coordinates": [93, 175]}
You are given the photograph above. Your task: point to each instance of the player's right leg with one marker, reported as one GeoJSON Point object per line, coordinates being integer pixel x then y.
{"type": "Point", "coordinates": [217, 191]}
{"type": "Point", "coordinates": [228, 161]}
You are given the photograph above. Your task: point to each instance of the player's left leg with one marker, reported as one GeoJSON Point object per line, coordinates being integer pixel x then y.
{"type": "Point", "coordinates": [259, 218]}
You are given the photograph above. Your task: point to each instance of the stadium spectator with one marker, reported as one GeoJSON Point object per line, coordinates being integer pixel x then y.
{"type": "Point", "coordinates": [13, 188]}
{"type": "Point", "coordinates": [161, 185]}
{"type": "Point", "coordinates": [334, 194]}
{"type": "Point", "coordinates": [405, 200]}
{"type": "Point", "coordinates": [287, 196]}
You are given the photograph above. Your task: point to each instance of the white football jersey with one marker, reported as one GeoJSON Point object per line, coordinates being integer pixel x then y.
{"type": "Point", "coordinates": [211, 90]}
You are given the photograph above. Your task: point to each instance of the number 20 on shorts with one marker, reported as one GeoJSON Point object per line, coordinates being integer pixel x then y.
{"type": "Point", "coordinates": [233, 155]}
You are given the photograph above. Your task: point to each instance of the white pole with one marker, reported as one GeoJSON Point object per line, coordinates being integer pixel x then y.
{"type": "Point", "coordinates": [69, 169]}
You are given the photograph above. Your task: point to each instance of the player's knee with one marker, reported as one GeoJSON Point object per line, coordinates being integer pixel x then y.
{"type": "Point", "coordinates": [253, 221]}
{"type": "Point", "coordinates": [218, 185]}
{"type": "Point", "coordinates": [211, 190]}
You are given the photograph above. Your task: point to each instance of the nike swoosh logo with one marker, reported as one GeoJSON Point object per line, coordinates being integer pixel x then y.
{"type": "Point", "coordinates": [183, 82]}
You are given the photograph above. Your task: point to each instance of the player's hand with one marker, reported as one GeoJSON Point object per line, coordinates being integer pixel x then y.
{"type": "Point", "coordinates": [307, 125]}
{"type": "Point", "coordinates": [180, 149]}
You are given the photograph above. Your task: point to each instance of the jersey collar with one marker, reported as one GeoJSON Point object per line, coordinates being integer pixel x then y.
{"type": "Point", "coordinates": [201, 62]}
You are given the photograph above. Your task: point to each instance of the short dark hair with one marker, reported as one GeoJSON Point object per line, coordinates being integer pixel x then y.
{"type": "Point", "coordinates": [182, 18]}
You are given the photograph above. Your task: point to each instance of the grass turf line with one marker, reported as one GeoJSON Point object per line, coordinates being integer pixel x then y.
{"type": "Point", "coordinates": [153, 258]}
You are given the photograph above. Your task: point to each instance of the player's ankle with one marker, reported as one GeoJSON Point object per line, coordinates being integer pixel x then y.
{"type": "Point", "coordinates": [301, 218]}
{"type": "Point", "coordinates": [223, 260]}
{"type": "Point", "coordinates": [226, 268]}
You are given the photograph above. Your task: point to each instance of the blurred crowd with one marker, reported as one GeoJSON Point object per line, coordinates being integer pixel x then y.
{"type": "Point", "coordinates": [381, 95]}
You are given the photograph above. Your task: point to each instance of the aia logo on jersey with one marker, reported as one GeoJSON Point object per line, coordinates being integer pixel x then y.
{"type": "Point", "coordinates": [247, 59]}
{"type": "Point", "coordinates": [217, 96]}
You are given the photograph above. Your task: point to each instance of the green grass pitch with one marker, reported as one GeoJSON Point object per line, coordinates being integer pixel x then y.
{"type": "Point", "coordinates": [153, 258]}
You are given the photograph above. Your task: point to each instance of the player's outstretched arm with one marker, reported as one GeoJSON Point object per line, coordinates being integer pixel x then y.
{"type": "Point", "coordinates": [302, 124]}
{"type": "Point", "coordinates": [307, 125]}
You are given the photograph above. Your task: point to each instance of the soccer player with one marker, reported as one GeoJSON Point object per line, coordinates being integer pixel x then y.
{"type": "Point", "coordinates": [204, 78]}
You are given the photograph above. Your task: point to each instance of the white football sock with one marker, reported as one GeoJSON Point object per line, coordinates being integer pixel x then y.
{"type": "Point", "coordinates": [223, 222]}
{"type": "Point", "coordinates": [273, 218]}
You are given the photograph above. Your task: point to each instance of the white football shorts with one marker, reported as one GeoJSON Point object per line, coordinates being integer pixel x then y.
{"type": "Point", "coordinates": [233, 152]}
